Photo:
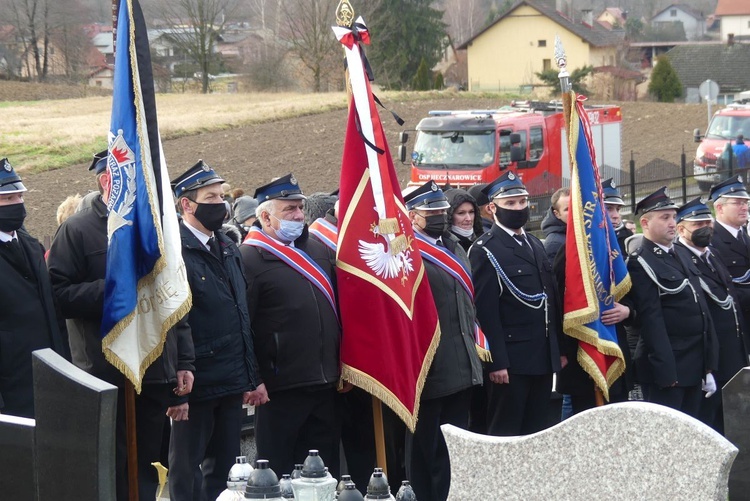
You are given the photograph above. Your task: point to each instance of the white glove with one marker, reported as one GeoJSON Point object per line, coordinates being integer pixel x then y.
{"type": "Point", "coordinates": [709, 385]}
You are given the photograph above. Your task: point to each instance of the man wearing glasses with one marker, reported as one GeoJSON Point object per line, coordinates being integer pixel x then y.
{"type": "Point", "coordinates": [730, 239]}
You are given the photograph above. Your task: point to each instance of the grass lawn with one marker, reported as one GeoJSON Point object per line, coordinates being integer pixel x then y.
{"type": "Point", "coordinates": [42, 135]}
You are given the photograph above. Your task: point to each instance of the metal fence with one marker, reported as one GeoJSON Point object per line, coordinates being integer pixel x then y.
{"type": "Point", "coordinates": [638, 181]}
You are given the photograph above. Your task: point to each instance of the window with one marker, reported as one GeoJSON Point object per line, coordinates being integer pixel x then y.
{"type": "Point", "coordinates": [536, 143]}
{"type": "Point", "coordinates": [673, 13]}
{"type": "Point", "coordinates": [546, 64]}
{"type": "Point", "coordinates": [541, 43]}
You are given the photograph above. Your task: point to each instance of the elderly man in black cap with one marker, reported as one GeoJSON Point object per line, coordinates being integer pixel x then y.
{"type": "Point", "coordinates": [291, 296]}
{"type": "Point", "coordinates": [28, 320]}
{"type": "Point", "coordinates": [203, 449]}
{"type": "Point", "coordinates": [77, 266]}
{"type": "Point", "coordinates": [456, 367]}
{"type": "Point", "coordinates": [518, 308]}
{"type": "Point", "coordinates": [695, 227]}
{"type": "Point", "coordinates": [677, 350]}
{"type": "Point", "coordinates": [730, 239]}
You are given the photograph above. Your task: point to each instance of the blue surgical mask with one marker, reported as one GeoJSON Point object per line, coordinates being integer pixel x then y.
{"type": "Point", "coordinates": [289, 231]}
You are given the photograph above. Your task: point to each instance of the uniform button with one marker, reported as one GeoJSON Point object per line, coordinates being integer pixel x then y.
{"type": "Point", "coordinates": [203, 278]}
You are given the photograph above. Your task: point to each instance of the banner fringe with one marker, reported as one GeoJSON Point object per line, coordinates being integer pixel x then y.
{"type": "Point", "coordinates": [375, 388]}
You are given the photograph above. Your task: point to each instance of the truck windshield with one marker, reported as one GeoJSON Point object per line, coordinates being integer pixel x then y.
{"type": "Point", "coordinates": [728, 127]}
{"type": "Point", "coordinates": [454, 148]}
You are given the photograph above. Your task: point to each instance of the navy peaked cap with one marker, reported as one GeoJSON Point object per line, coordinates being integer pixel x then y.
{"type": "Point", "coordinates": [730, 188]}
{"type": "Point", "coordinates": [10, 182]}
{"type": "Point", "coordinates": [658, 200]}
{"type": "Point", "coordinates": [694, 210]}
{"type": "Point", "coordinates": [283, 188]}
{"type": "Point", "coordinates": [429, 196]}
{"type": "Point", "coordinates": [507, 185]}
{"type": "Point", "coordinates": [197, 176]}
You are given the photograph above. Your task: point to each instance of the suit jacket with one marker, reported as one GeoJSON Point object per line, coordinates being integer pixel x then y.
{"type": "Point", "coordinates": [28, 322]}
{"type": "Point", "coordinates": [677, 339]}
{"type": "Point", "coordinates": [522, 339]}
{"type": "Point", "coordinates": [736, 257]}
{"type": "Point", "coordinates": [728, 323]}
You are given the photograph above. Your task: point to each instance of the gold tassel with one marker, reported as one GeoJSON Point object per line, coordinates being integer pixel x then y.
{"type": "Point", "coordinates": [388, 226]}
{"type": "Point", "coordinates": [398, 245]}
{"type": "Point", "coordinates": [484, 355]}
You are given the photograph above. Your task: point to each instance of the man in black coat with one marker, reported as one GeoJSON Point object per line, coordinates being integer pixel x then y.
{"type": "Point", "coordinates": [677, 349]}
{"type": "Point", "coordinates": [555, 223]}
{"type": "Point", "coordinates": [77, 266]}
{"type": "Point", "coordinates": [519, 310]}
{"type": "Point", "coordinates": [28, 320]}
{"type": "Point", "coordinates": [694, 224]}
{"type": "Point", "coordinates": [203, 449]}
{"type": "Point", "coordinates": [296, 331]}
{"type": "Point", "coordinates": [456, 368]}
{"type": "Point", "coordinates": [572, 379]}
{"type": "Point", "coordinates": [730, 238]}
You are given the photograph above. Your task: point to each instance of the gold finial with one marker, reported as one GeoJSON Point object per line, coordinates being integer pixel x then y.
{"type": "Point", "coordinates": [344, 14]}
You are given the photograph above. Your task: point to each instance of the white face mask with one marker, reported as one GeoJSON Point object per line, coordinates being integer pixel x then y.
{"type": "Point", "coordinates": [466, 233]}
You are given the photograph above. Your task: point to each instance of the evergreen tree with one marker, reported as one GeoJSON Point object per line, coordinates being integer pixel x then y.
{"type": "Point", "coordinates": [404, 32]}
{"type": "Point", "coordinates": [439, 81]}
{"type": "Point", "coordinates": [665, 84]}
{"type": "Point", "coordinates": [551, 79]}
{"type": "Point", "coordinates": [421, 80]}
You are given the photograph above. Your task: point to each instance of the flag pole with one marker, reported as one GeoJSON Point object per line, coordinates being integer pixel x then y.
{"type": "Point", "coordinates": [131, 439]}
{"type": "Point", "coordinates": [345, 18]}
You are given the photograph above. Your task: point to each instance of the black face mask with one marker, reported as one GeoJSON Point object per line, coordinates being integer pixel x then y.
{"type": "Point", "coordinates": [211, 216]}
{"type": "Point", "coordinates": [513, 219]}
{"type": "Point", "coordinates": [436, 225]}
{"type": "Point", "coordinates": [702, 236]}
{"type": "Point", "coordinates": [11, 217]}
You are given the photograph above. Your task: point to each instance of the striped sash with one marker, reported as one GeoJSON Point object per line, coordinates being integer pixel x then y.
{"type": "Point", "coordinates": [448, 262]}
{"type": "Point", "coordinates": [325, 232]}
{"type": "Point", "coordinates": [298, 260]}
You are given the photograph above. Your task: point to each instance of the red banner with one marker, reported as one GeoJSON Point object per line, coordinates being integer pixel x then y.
{"type": "Point", "coordinates": [390, 325]}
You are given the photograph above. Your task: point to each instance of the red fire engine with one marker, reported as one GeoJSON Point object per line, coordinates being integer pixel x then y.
{"type": "Point", "coordinates": [465, 147]}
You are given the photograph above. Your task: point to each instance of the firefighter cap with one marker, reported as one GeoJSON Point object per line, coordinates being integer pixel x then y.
{"type": "Point", "coordinates": [694, 210]}
{"type": "Point", "coordinates": [729, 188]}
{"type": "Point", "coordinates": [507, 185]}
{"type": "Point", "coordinates": [429, 196]}
{"type": "Point", "coordinates": [658, 200]}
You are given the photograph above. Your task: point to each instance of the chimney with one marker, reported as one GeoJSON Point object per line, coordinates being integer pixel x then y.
{"type": "Point", "coordinates": [730, 39]}
{"type": "Point", "coordinates": [588, 17]}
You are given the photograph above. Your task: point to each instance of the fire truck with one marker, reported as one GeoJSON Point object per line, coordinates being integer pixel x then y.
{"type": "Point", "coordinates": [461, 148]}
{"type": "Point", "coordinates": [725, 126]}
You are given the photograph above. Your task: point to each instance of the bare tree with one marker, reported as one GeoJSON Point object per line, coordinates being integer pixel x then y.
{"type": "Point", "coordinates": [30, 18]}
{"type": "Point", "coordinates": [197, 23]}
{"type": "Point", "coordinates": [307, 30]}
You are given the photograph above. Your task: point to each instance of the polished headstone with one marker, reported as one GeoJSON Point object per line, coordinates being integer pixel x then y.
{"type": "Point", "coordinates": [17, 479]}
{"type": "Point", "coordinates": [633, 450]}
{"type": "Point", "coordinates": [736, 396]}
{"type": "Point", "coordinates": [75, 432]}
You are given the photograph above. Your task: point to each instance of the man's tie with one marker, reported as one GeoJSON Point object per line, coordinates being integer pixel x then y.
{"type": "Point", "coordinates": [214, 245]}
{"type": "Point", "coordinates": [525, 245]}
{"type": "Point", "coordinates": [741, 237]}
{"type": "Point", "coordinates": [705, 259]}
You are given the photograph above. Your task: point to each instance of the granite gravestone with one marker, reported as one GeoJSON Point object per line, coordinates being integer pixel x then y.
{"type": "Point", "coordinates": [633, 450]}
{"type": "Point", "coordinates": [736, 396]}
{"type": "Point", "coordinates": [68, 451]}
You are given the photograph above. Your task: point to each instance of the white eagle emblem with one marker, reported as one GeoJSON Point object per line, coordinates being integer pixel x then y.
{"type": "Point", "coordinates": [121, 164]}
{"type": "Point", "coordinates": [381, 258]}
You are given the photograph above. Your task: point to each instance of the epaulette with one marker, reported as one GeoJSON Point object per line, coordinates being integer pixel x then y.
{"type": "Point", "coordinates": [637, 252]}
{"type": "Point", "coordinates": [483, 239]}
